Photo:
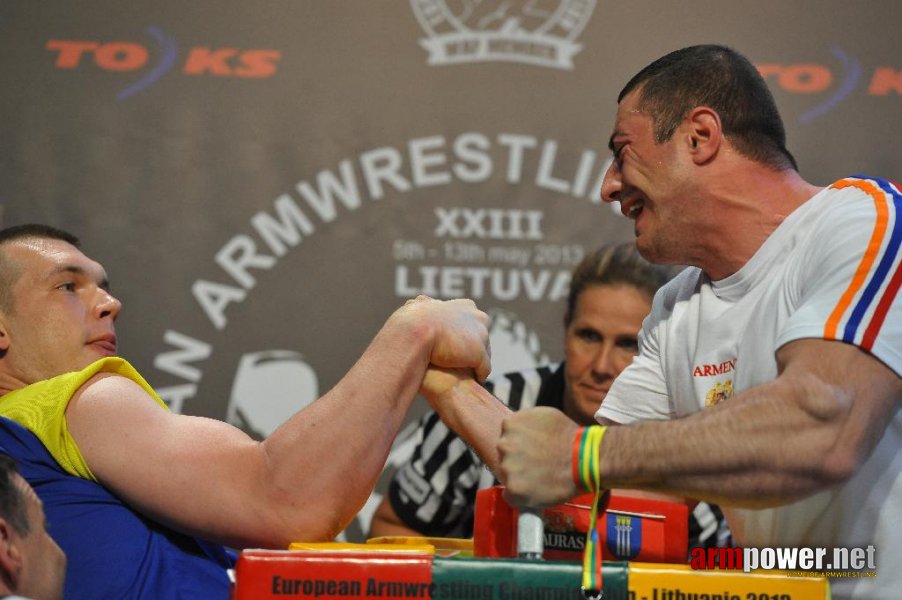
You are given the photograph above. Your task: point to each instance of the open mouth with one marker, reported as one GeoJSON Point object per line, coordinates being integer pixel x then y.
{"type": "Point", "coordinates": [633, 210]}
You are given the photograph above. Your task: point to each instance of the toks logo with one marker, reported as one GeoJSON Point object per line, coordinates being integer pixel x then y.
{"type": "Point", "coordinates": [839, 83]}
{"type": "Point", "coordinates": [130, 56]}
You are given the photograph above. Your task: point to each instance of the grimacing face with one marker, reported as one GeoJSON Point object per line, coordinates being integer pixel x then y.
{"type": "Point", "coordinates": [62, 314]}
{"type": "Point", "coordinates": [653, 183]}
{"type": "Point", "coordinates": [600, 341]}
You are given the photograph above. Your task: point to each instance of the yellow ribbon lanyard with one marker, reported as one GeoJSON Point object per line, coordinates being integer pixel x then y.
{"type": "Point", "coordinates": [586, 475]}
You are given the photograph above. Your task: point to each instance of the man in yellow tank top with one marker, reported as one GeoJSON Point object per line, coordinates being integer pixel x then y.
{"type": "Point", "coordinates": [104, 426]}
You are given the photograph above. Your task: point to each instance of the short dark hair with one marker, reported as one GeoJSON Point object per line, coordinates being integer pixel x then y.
{"type": "Point", "coordinates": [615, 264]}
{"type": "Point", "coordinates": [12, 500]}
{"type": "Point", "coordinates": [36, 230]}
{"type": "Point", "coordinates": [9, 272]}
{"type": "Point", "coordinates": [724, 80]}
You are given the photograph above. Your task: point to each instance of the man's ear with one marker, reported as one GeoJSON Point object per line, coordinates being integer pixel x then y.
{"type": "Point", "coordinates": [4, 335]}
{"type": "Point", "coordinates": [705, 134]}
{"type": "Point", "coordinates": [10, 556]}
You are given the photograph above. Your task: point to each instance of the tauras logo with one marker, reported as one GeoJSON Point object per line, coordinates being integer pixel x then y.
{"type": "Point", "coordinates": [536, 32]}
{"type": "Point", "coordinates": [574, 540]}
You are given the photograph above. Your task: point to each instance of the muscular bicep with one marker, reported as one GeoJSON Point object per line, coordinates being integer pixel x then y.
{"type": "Point", "coordinates": [177, 469]}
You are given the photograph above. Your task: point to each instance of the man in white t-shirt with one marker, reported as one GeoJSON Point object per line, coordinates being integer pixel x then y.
{"type": "Point", "coordinates": [768, 379]}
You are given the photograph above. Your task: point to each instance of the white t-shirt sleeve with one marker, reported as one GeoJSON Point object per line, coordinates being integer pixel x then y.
{"type": "Point", "coordinates": [848, 285]}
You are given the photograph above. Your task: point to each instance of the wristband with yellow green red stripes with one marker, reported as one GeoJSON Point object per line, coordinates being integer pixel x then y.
{"type": "Point", "coordinates": [586, 445]}
{"type": "Point", "coordinates": [585, 457]}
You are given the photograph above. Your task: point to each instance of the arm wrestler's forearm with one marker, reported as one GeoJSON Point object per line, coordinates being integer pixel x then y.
{"type": "Point", "coordinates": [333, 473]}
{"type": "Point", "coordinates": [475, 416]}
{"type": "Point", "coordinates": [809, 429]}
{"type": "Point", "coordinates": [771, 445]}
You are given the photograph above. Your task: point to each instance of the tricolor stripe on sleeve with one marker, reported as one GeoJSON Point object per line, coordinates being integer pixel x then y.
{"type": "Point", "coordinates": [863, 307]}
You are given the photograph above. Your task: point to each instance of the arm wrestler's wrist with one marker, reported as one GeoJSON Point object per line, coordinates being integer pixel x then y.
{"type": "Point", "coordinates": [586, 457]}
{"type": "Point", "coordinates": [411, 329]}
{"type": "Point", "coordinates": [458, 397]}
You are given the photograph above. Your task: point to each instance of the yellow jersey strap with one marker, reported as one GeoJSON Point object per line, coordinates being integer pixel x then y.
{"type": "Point", "coordinates": [41, 408]}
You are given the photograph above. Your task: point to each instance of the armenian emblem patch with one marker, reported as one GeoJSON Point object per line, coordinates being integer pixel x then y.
{"type": "Point", "coordinates": [719, 393]}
